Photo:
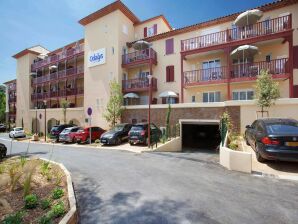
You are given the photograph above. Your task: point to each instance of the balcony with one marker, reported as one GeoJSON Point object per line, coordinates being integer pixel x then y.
{"type": "Point", "coordinates": [58, 75]}
{"type": "Point", "coordinates": [138, 85]}
{"type": "Point", "coordinates": [57, 57]}
{"type": "Point", "coordinates": [12, 99]}
{"type": "Point", "coordinates": [139, 58]}
{"type": "Point", "coordinates": [57, 94]}
{"type": "Point", "coordinates": [236, 35]}
{"type": "Point", "coordinates": [239, 72]}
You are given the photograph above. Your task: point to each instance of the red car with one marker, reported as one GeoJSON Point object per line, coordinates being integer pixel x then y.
{"type": "Point", "coordinates": [83, 135]}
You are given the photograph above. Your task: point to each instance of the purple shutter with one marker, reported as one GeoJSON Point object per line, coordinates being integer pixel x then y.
{"type": "Point", "coordinates": [145, 31]}
{"type": "Point", "coordinates": [170, 46]}
{"type": "Point", "coordinates": [155, 29]}
{"type": "Point", "coordinates": [167, 73]}
{"type": "Point", "coordinates": [171, 76]}
{"type": "Point", "coordinates": [295, 56]}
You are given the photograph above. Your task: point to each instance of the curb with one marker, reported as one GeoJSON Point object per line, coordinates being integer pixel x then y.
{"type": "Point", "coordinates": [275, 176]}
{"type": "Point", "coordinates": [71, 216]}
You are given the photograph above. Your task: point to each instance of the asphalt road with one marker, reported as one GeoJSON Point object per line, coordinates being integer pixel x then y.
{"type": "Point", "coordinates": [168, 188]}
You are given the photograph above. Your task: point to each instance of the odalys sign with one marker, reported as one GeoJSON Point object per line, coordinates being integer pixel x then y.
{"type": "Point", "coordinates": [97, 57]}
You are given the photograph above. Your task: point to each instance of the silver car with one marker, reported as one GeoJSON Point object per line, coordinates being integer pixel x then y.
{"type": "Point", "coordinates": [17, 132]}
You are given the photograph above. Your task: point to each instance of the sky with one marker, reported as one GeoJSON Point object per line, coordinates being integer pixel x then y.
{"type": "Point", "coordinates": [53, 23]}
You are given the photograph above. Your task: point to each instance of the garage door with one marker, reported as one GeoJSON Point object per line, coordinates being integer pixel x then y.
{"type": "Point", "coordinates": [200, 135]}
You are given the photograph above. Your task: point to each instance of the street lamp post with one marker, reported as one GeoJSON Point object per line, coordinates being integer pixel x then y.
{"type": "Point", "coordinates": [149, 108]}
{"type": "Point", "coordinates": [35, 120]}
{"type": "Point", "coordinates": [45, 119]}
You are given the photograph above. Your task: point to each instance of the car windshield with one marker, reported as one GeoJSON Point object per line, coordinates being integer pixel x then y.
{"type": "Point", "coordinates": [55, 128]}
{"type": "Point", "coordinates": [18, 129]}
{"type": "Point", "coordinates": [283, 128]}
{"type": "Point", "coordinates": [118, 128]}
{"type": "Point", "coordinates": [137, 127]}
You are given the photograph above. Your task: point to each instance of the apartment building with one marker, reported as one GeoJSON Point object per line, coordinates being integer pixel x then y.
{"type": "Point", "coordinates": [11, 99]}
{"type": "Point", "coordinates": [193, 66]}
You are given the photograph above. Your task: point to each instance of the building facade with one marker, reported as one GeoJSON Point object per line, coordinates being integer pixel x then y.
{"type": "Point", "coordinates": [189, 65]}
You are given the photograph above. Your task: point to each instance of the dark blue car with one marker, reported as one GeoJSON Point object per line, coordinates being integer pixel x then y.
{"type": "Point", "coordinates": [273, 139]}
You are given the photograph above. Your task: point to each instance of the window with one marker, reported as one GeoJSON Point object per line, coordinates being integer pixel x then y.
{"type": "Point", "coordinates": [268, 57]}
{"type": "Point", "coordinates": [170, 46]}
{"type": "Point", "coordinates": [170, 100]}
{"type": "Point", "coordinates": [193, 99]}
{"type": "Point", "coordinates": [211, 70]}
{"type": "Point", "coordinates": [209, 97]}
{"type": "Point", "coordinates": [243, 95]}
{"type": "Point", "coordinates": [124, 29]}
{"type": "Point", "coordinates": [150, 31]}
{"type": "Point", "coordinates": [170, 73]}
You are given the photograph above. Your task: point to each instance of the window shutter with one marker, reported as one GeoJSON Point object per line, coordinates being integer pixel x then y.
{"type": "Point", "coordinates": [167, 73]}
{"type": "Point", "coordinates": [295, 91]}
{"type": "Point", "coordinates": [170, 46]}
{"type": "Point", "coordinates": [172, 73]}
{"type": "Point", "coordinates": [295, 56]}
{"type": "Point", "coordinates": [155, 29]}
{"type": "Point", "coordinates": [145, 31]}
{"type": "Point", "coordinates": [163, 100]}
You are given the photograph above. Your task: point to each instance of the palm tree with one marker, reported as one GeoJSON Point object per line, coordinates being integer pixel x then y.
{"type": "Point", "coordinates": [64, 105]}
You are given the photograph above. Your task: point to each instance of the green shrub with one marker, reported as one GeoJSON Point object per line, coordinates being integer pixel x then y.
{"type": "Point", "coordinates": [31, 201]}
{"type": "Point", "coordinates": [15, 173]}
{"type": "Point", "coordinates": [15, 218]}
{"type": "Point", "coordinates": [45, 203]}
{"type": "Point", "coordinates": [45, 219]}
{"type": "Point", "coordinates": [57, 193]}
{"type": "Point", "coordinates": [57, 210]}
{"type": "Point", "coordinates": [2, 169]}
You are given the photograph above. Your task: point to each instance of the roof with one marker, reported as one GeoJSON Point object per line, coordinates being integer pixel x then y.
{"type": "Point", "coordinates": [11, 81]}
{"type": "Point", "coordinates": [67, 46]}
{"type": "Point", "coordinates": [24, 52]}
{"type": "Point", "coordinates": [228, 18]}
{"type": "Point", "coordinates": [117, 5]}
{"type": "Point", "coordinates": [154, 18]}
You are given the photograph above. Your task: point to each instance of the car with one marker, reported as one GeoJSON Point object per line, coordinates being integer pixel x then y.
{"type": "Point", "coordinates": [139, 133]}
{"type": "Point", "coordinates": [116, 135]}
{"type": "Point", "coordinates": [83, 135]}
{"type": "Point", "coordinates": [57, 129]}
{"type": "Point", "coordinates": [17, 132]}
{"type": "Point", "coordinates": [3, 128]}
{"type": "Point", "coordinates": [3, 151]}
{"type": "Point", "coordinates": [68, 135]}
{"type": "Point", "coordinates": [273, 139]}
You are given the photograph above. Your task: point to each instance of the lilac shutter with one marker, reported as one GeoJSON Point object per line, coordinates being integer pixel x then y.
{"type": "Point", "coordinates": [155, 29]}
{"type": "Point", "coordinates": [170, 46]}
{"type": "Point", "coordinates": [145, 31]}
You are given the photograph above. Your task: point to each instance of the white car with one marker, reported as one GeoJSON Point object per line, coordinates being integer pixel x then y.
{"type": "Point", "coordinates": [17, 132]}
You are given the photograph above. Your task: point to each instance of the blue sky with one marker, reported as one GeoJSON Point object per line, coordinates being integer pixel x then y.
{"type": "Point", "coordinates": [53, 23]}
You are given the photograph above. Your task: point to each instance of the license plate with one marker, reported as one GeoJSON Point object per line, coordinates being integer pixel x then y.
{"type": "Point", "coordinates": [291, 143]}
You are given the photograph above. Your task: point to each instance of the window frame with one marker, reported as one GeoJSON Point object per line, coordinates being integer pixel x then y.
{"type": "Point", "coordinates": [239, 91]}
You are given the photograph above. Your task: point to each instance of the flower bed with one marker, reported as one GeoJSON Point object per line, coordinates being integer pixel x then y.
{"type": "Point", "coordinates": [32, 191]}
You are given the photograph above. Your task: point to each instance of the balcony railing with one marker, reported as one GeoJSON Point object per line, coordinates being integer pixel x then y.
{"type": "Point", "coordinates": [139, 57]}
{"type": "Point", "coordinates": [56, 57]}
{"type": "Point", "coordinates": [138, 85]}
{"type": "Point", "coordinates": [205, 75]}
{"type": "Point", "coordinates": [251, 70]}
{"type": "Point", "coordinates": [239, 72]}
{"type": "Point", "coordinates": [263, 28]}
{"type": "Point", "coordinates": [58, 75]}
{"type": "Point", "coordinates": [12, 99]}
{"type": "Point", "coordinates": [56, 94]}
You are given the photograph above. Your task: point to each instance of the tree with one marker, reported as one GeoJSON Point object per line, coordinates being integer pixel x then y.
{"type": "Point", "coordinates": [267, 90]}
{"type": "Point", "coordinates": [114, 107]}
{"type": "Point", "coordinates": [64, 105]}
{"type": "Point", "coordinates": [2, 106]}
{"type": "Point", "coordinates": [168, 121]}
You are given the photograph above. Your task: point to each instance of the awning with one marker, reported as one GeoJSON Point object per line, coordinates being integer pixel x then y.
{"type": "Point", "coordinates": [141, 45]}
{"type": "Point", "coordinates": [131, 96]}
{"type": "Point", "coordinates": [244, 51]}
{"type": "Point", "coordinates": [168, 94]}
{"type": "Point", "coordinates": [249, 17]}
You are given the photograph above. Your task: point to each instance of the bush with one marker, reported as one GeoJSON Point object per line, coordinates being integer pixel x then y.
{"type": "Point", "coordinates": [31, 201]}
{"type": "Point", "coordinates": [45, 219]}
{"type": "Point", "coordinates": [45, 204]}
{"type": "Point", "coordinates": [57, 210]}
{"type": "Point", "coordinates": [15, 218]}
{"type": "Point", "coordinates": [57, 193]}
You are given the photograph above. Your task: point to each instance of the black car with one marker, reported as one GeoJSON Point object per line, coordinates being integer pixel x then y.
{"type": "Point", "coordinates": [273, 139]}
{"type": "Point", "coordinates": [139, 133]}
{"type": "Point", "coordinates": [3, 128]}
{"type": "Point", "coordinates": [3, 151]}
{"type": "Point", "coordinates": [116, 135]}
{"type": "Point", "coordinates": [57, 129]}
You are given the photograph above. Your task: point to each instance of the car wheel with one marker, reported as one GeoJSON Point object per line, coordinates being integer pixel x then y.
{"type": "Point", "coordinates": [259, 157]}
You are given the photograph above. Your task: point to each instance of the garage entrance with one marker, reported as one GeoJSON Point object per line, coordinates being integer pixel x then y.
{"type": "Point", "coordinates": [200, 135]}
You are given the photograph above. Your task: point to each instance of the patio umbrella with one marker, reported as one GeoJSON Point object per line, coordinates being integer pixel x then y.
{"type": "Point", "coordinates": [168, 94]}
{"type": "Point", "coordinates": [248, 17]}
{"type": "Point", "coordinates": [131, 96]}
{"type": "Point", "coordinates": [141, 45]}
